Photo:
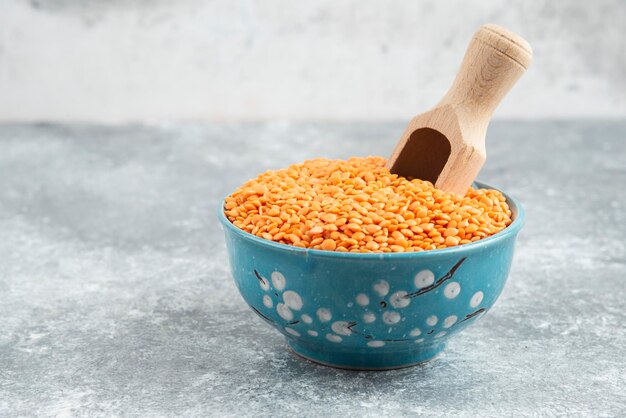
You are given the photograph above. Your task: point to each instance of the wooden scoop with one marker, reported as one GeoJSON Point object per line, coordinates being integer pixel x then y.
{"type": "Point", "coordinates": [446, 145]}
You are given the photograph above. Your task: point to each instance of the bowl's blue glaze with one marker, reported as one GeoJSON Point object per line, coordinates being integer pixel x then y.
{"type": "Point", "coordinates": [370, 311]}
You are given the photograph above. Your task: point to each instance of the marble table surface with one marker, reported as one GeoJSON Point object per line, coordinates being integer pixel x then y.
{"type": "Point", "coordinates": [116, 297]}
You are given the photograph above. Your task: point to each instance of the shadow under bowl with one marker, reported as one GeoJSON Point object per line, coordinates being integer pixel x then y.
{"type": "Point", "coordinates": [370, 311]}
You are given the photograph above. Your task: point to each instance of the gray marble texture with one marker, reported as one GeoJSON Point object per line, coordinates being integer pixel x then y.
{"type": "Point", "coordinates": [189, 60]}
{"type": "Point", "coordinates": [116, 298]}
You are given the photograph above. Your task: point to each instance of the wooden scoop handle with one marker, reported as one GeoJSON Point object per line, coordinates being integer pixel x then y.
{"type": "Point", "coordinates": [495, 59]}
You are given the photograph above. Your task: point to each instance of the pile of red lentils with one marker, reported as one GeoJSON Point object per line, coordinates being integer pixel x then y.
{"type": "Point", "coordinates": [359, 206]}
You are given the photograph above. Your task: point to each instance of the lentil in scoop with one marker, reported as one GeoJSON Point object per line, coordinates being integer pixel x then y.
{"type": "Point", "coordinates": [359, 206]}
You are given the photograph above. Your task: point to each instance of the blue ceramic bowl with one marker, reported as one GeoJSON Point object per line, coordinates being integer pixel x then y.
{"type": "Point", "coordinates": [370, 311]}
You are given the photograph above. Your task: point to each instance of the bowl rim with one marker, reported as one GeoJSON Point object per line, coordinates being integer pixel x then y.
{"type": "Point", "coordinates": [515, 226]}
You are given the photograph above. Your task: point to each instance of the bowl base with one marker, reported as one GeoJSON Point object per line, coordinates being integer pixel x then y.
{"type": "Point", "coordinates": [369, 361]}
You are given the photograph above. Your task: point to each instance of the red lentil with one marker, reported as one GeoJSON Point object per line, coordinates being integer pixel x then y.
{"type": "Point", "coordinates": [358, 206]}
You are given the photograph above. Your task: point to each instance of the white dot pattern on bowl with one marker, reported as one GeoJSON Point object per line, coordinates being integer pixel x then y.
{"type": "Point", "coordinates": [400, 299]}
{"type": "Point", "coordinates": [391, 317]}
{"type": "Point", "coordinates": [292, 299]}
{"type": "Point", "coordinates": [382, 298]}
{"type": "Point", "coordinates": [381, 287]}
{"type": "Point", "coordinates": [476, 299]}
{"type": "Point", "coordinates": [424, 278]}
{"type": "Point", "coordinates": [369, 317]}
{"type": "Point", "coordinates": [324, 314]}
{"type": "Point", "coordinates": [284, 311]}
{"type": "Point", "coordinates": [362, 299]}
{"type": "Point", "coordinates": [341, 328]}
{"type": "Point", "coordinates": [415, 332]}
{"type": "Point", "coordinates": [452, 290]}
{"type": "Point", "coordinates": [449, 321]}
{"type": "Point", "coordinates": [278, 280]}
{"type": "Point", "coordinates": [292, 331]}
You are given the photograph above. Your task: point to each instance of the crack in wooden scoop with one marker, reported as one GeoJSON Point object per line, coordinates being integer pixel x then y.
{"type": "Point", "coordinates": [446, 145]}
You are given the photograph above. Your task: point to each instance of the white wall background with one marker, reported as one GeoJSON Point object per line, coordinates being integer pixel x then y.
{"type": "Point", "coordinates": [140, 60]}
